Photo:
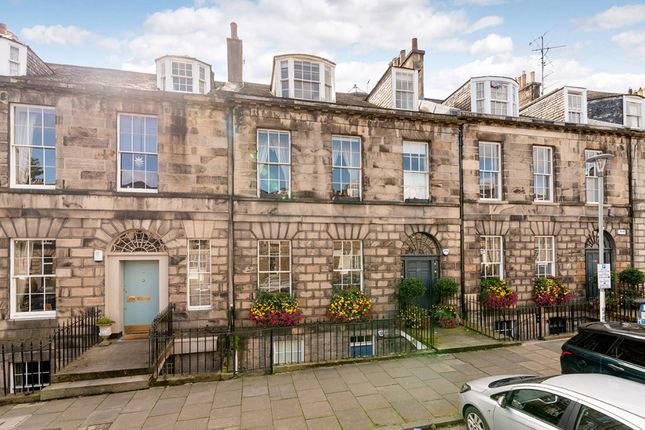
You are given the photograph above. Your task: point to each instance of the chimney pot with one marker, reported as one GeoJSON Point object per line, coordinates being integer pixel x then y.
{"type": "Point", "coordinates": [233, 30]}
{"type": "Point", "coordinates": [533, 76]}
{"type": "Point", "coordinates": [3, 28]}
{"type": "Point", "coordinates": [415, 45]}
{"type": "Point", "coordinates": [402, 56]}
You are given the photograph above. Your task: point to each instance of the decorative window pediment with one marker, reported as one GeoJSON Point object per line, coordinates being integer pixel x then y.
{"type": "Point", "coordinates": [138, 241]}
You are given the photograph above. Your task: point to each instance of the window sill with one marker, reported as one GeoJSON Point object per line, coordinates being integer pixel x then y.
{"type": "Point", "coordinates": [33, 316]}
{"type": "Point", "coordinates": [345, 199]}
{"type": "Point", "coordinates": [33, 187]}
{"type": "Point", "coordinates": [136, 191]}
{"type": "Point", "coordinates": [199, 308]}
{"type": "Point", "coordinates": [492, 201]}
{"type": "Point", "coordinates": [417, 201]}
{"type": "Point", "coordinates": [543, 202]}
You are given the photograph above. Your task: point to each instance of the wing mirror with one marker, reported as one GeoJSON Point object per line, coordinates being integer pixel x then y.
{"type": "Point", "coordinates": [501, 400]}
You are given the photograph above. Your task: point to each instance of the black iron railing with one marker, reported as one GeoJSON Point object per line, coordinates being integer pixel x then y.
{"type": "Point", "coordinates": [28, 367]}
{"type": "Point", "coordinates": [160, 338]}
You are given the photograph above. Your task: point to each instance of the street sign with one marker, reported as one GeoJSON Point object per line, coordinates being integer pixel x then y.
{"type": "Point", "coordinates": [604, 276]}
{"type": "Point", "coordinates": [641, 317]}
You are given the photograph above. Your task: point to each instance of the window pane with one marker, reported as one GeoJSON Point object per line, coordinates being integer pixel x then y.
{"type": "Point", "coordinates": [547, 407]}
{"type": "Point", "coordinates": [591, 419]}
{"type": "Point", "coordinates": [33, 279]}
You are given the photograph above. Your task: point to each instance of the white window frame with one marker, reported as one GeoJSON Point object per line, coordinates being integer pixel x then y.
{"type": "Point", "coordinates": [341, 271]}
{"type": "Point", "coordinates": [544, 247]}
{"type": "Point", "coordinates": [413, 76]}
{"type": "Point", "coordinates": [14, 314]}
{"type": "Point", "coordinates": [14, 62]}
{"type": "Point", "coordinates": [272, 163]}
{"type": "Point", "coordinates": [41, 384]}
{"type": "Point", "coordinates": [485, 251]}
{"type": "Point", "coordinates": [359, 168]}
{"type": "Point", "coordinates": [118, 155]}
{"type": "Point", "coordinates": [209, 272]}
{"type": "Point", "coordinates": [187, 67]}
{"type": "Point", "coordinates": [546, 172]}
{"type": "Point", "coordinates": [285, 86]}
{"type": "Point", "coordinates": [418, 173]}
{"type": "Point", "coordinates": [202, 79]}
{"type": "Point", "coordinates": [269, 241]}
{"type": "Point", "coordinates": [636, 100]}
{"type": "Point", "coordinates": [588, 167]}
{"type": "Point", "coordinates": [498, 146]}
{"type": "Point", "coordinates": [284, 353]}
{"type": "Point", "coordinates": [369, 342]}
{"type": "Point", "coordinates": [12, 152]}
{"type": "Point", "coordinates": [583, 104]}
{"type": "Point", "coordinates": [483, 105]}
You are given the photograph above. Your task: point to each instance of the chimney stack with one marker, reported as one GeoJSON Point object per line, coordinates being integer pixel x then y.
{"type": "Point", "coordinates": [234, 56]}
{"type": "Point", "coordinates": [3, 29]}
{"type": "Point", "coordinates": [528, 91]}
{"type": "Point", "coordinates": [415, 45]}
{"type": "Point", "coordinates": [532, 76]}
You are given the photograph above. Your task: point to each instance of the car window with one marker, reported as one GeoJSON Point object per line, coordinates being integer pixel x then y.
{"type": "Point", "coordinates": [591, 419]}
{"type": "Point", "coordinates": [631, 351]}
{"type": "Point", "coordinates": [579, 338]}
{"type": "Point", "coordinates": [597, 342]}
{"type": "Point", "coordinates": [539, 404]}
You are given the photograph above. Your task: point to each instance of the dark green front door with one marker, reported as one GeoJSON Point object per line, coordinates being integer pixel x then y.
{"type": "Point", "coordinates": [426, 269]}
{"type": "Point", "coordinates": [591, 270]}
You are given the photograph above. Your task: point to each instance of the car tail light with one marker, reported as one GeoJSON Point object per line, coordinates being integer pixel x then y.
{"type": "Point", "coordinates": [565, 353]}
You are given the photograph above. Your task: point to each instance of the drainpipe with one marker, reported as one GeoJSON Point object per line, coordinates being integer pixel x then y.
{"type": "Point", "coordinates": [230, 137]}
{"type": "Point", "coordinates": [630, 177]}
{"type": "Point", "coordinates": [462, 264]}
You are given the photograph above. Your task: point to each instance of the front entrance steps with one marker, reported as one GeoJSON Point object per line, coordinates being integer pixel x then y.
{"type": "Point", "coordinates": [461, 339]}
{"type": "Point", "coordinates": [120, 366]}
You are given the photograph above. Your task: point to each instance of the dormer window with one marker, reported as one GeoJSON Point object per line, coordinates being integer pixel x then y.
{"type": "Point", "coordinates": [575, 107]}
{"type": "Point", "coordinates": [14, 61]}
{"type": "Point", "coordinates": [183, 75]}
{"type": "Point", "coordinates": [494, 95]}
{"type": "Point", "coordinates": [303, 77]}
{"type": "Point", "coordinates": [405, 95]}
{"type": "Point", "coordinates": [634, 112]}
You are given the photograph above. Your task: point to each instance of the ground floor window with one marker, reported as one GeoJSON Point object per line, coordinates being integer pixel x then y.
{"type": "Point", "coordinates": [199, 274]}
{"type": "Point", "coordinates": [492, 256]}
{"type": "Point", "coordinates": [361, 346]}
{"type": "Point", "coordinates": [33, 278]}
{"type": "Point", "coordinates": [289, 351]}
{"type": "Point", "coordinates": [274, 265]}
{"type": "Point", "coordinates": [30, 376]}
{"type": "Point", "coordinates": [348, 264]}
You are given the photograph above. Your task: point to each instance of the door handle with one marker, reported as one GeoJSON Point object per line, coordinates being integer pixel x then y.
{"type": "Point", "coordinates": [614, 367]}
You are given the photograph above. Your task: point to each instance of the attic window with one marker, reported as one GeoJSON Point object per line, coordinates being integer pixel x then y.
{"type": "Point", "coordinates": [633, 114]}
{"type": "Point", "coordinates": [14, 61]}
{"type": "Point", "coordinates": [575, 107]}
{"type": "Point", "coordinates": [304, 79]}
{"type": "Point", "coordinates": [202, 79]}
{"type": "Point", "coordinates": [405, 95]}
{"type": "Point", "coordinates": [182, 77]}
{"type": "Point", "coordinates": [496, 96]}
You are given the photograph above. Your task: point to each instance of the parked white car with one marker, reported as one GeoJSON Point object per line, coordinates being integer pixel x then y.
{"type": "Point", "coordinates": [566, 402]}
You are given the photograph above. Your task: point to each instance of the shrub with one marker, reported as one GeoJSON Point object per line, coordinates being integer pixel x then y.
{"type": "Point", "coordinates": [414, 316]}
{"type": "Point", "coordinates": [632, 277]}
{"type": "Point", "coordinates": [447, 316]}
{"type": "Point", "coordinates": [349, 304]}
{"type": "Point", "coordinates": [410, 288]}
{"type": "Point", "coordinates": [550, 291]}
{"type": "Point", "coordinates": [495, 293]}
{"type": "Point", "coordinates": [104, 321]}
{"type": "Point", "coordinates": [446, 287]}
{"type": "Point", "coordinates": [275, 309]}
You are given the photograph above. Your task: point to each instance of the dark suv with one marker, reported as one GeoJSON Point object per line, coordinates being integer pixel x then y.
{"type": "Point", "coordinates": [611, 348]}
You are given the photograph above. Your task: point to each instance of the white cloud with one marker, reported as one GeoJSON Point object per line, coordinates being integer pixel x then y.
{"type": "Point", "coordinates": [493, 44]}
{"type": "Point", "coordinates": [632, 41]}
{"type": "Point", "coordinates": [614, 17]}
{"type": "Point", "coordinates": [485, 22]}
{"type": "Point", "coordinates": [480, 2]}
{"type": "Point", "coordinates": [55, 34]}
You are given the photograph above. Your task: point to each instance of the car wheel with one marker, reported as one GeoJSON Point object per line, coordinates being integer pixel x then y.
{"type": "Point", "coordinates": [474, 419]}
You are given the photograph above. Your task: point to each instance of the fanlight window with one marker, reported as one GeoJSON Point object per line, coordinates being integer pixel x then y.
{"type": "Point", "coordinates": [138, 241]}
{"type": "Point", "coordinates": [420, 244]}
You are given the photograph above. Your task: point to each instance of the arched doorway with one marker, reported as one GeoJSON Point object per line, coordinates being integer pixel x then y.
{"type": "Point", "coordinates": [136, 283]}
{"type": "Point", "coordinates": [421, 260]}
{"type": "Point", "coordinates": [592, 260]}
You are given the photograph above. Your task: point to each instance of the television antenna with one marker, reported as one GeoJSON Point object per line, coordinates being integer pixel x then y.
{"type": "Point", "coordinates": [543, 50]}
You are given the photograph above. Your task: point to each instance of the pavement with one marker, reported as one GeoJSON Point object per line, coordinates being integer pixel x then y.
{"type": "Point", "coordinates": [393, 394]}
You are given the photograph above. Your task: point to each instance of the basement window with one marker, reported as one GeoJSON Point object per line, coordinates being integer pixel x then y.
{"type": "Point", "coordinates": [30, 376]}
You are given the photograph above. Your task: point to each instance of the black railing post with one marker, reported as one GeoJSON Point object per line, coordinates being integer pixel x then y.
{"type": "Point", "coordinates": [538, 319]}
{"type": "Point", "coordinates": [271, 350]}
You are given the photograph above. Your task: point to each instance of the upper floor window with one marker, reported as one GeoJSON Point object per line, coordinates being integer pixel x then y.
{"type": "Point", "coordinates": [137, 157]}
{"type": "Point", "coordinates": [492, 256]}
{"type": "Point", "coordinates": [199, 274]}
{"type": "Point", "coordinates": [490, 177]}
{"type": "Point", "coordinates": [202, 80]}
{"type": "Point", "coordinates": [415, 170]}
{"type": "Point", "coordinates": [348, 264]}
{"type": "Point", "coordinates": [576, 106]}
{"type": "Point", "coordinates": [33, 278]}
{"type": "Point", "coordinates": [346, 166]}
{"type": "Point", "coordinates": [404, 89]}
{"type": "Point", "coordinates": [592, 183]}
{"type": "Point", "coordinates": [274, 265]}
{"type": "Point", "coordinates": [274, 163]}
{"type": "Point", "coordinates": [182, 77]}
{"type": "Point", "coordinates": [544, 256]}
{"type": "Point", "coordinates": [33, 142]}
{"type": "Point", "coordinates": [497, 96]}
{"type": "Point", "coordinates": [304, 77]}
{"type": "Point", "coordinates": [14, 61]}
{"type": "Point", "coordinates": [543, 173]}
{"type": "Point", "coordinates": [633, 114]}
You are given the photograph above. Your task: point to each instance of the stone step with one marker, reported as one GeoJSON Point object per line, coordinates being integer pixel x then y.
{"type": "Point", "coordinates": [71, 376]}
{"type": "Point", "coordinates": [90, 387]}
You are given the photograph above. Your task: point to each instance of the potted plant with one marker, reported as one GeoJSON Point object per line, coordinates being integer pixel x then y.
{"type": "Point", "coordinates": [349, 304]}
{"type": "Point", "coordinates": [105, 329]}
{"type": "Point", "coordinates": [414, 316]}
{"type": "Point", "coordinates": [447, 316]}
{"type": "Point", "coordinates": [277, 309]}
{"type": "Point", "coordinates": [550, 291]}
{"type": "Point", "coordinates": [409, 289]}
{"type": "Point", "coordinates": [445, 288]}
{"type": "Point", "coordinates": [495, 293]}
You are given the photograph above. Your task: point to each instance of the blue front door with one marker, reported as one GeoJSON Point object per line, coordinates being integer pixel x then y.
{"type": "Point", "coordinates": [140, 294]}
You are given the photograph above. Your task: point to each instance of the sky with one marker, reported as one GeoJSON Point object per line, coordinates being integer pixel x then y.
{"type": "Point", "coordinates": [604, 41]}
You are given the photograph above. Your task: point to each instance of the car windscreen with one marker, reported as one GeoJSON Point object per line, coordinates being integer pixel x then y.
{"type": "Point", "coordinates": [517, 379]}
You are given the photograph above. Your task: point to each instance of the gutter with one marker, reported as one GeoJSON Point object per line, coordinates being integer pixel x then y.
{"type": "Point", "coordinates": [631, 150]}
{"type": "Point", "coordinates": [462, 241]}
{"type": "Point", "coordinates": [230, 137]}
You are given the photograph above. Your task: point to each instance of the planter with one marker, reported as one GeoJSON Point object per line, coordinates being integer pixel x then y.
{"type": "Point", "coordinates": [105, 331]}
